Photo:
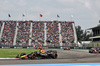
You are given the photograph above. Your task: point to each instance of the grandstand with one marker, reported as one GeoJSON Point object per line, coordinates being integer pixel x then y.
{"type": "Point", "coordinates": [44, 33]}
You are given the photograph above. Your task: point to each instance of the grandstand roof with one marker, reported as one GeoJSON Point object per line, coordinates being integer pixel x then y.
{"type": "Point", "coordinates": [95, 27]}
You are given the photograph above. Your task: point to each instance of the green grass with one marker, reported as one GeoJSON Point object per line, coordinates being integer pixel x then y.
{"type": "Point", "coordinates": [12, 53]}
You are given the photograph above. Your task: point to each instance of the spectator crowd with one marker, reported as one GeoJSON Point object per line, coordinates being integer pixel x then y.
{"type": "Point", "coordinates": [38, 32]}
{"type": "Point", "coordinates": [52, 34]}
{"type": "Point", "coordinates": [67, 33]}
{"type": "Point", "coordinates": [8, 33]}
{"type": "Point", "coordinates": [23, 33]}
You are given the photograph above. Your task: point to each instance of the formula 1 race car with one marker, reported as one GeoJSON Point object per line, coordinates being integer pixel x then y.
{"type": "Point", "coordinates": [66, 48]}
{"type": "Point", "coordinates": [42, 54]}
{"type": "Point", "coordinates": [94, 50]}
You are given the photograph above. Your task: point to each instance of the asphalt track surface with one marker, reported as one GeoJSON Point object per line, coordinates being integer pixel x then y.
{"type": "Point", "coordinates": [64, 56]}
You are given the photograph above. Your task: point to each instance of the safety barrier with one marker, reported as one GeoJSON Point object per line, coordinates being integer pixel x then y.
{"type": "Point", "coordinates": [45, 47]}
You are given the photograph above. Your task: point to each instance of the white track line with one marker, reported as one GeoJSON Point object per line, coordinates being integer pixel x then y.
{"type": "Point", "coordinates": [8, 58]}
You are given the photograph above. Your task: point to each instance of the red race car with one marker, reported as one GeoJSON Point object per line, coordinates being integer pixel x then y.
{"type": "Point", "coordinates": [94, 50]}
{"type": "Point", "coordinates": [38, 47]}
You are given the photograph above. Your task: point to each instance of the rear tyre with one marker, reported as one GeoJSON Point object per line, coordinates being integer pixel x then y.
{"type": "Point", "coordinates": [33, 56]}
{"type": "Point", "coordinates": [89, 51]}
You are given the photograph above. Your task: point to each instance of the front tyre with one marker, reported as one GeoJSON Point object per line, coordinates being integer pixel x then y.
{"type": "Point", "coordinates": [55, 56]}
{"type": "Point", "coordinates": [17, 56]}
{"type": "Point", "coordinates": [89, 51]}
{"type": "Point", "coordinates": [93, 51]}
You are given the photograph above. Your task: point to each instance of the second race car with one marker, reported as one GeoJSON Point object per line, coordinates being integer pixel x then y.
{"type": "Point", "coordinates": [94, 50]}
{"type": "Point", "coordinates": [66, 48]}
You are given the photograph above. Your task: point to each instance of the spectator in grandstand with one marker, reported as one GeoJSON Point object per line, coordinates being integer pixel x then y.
{"type": "Point", "coordinates": [67, 33]}
{"type": "Point", "coordinates": [8, 33]}
{"type": "Point", "coordinates": [52, 33]}
{"type": "Point", "coordinates": [38, 33]}
{"type": "Point", "coordinates": [23, 33]}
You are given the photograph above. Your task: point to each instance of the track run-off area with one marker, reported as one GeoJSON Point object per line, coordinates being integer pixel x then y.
{"type": "Point", "coordinates": [64, 56]}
